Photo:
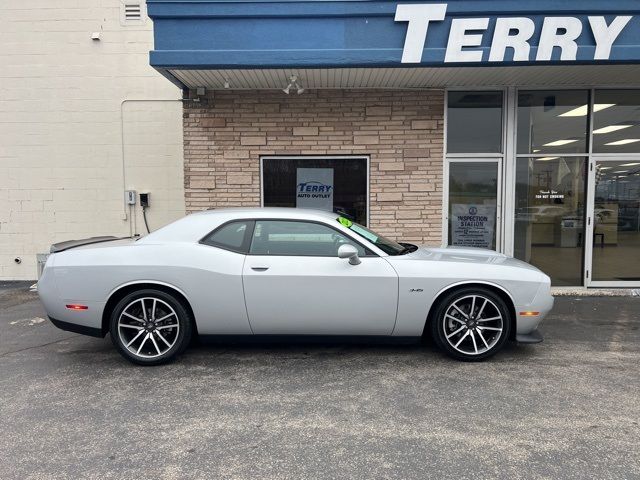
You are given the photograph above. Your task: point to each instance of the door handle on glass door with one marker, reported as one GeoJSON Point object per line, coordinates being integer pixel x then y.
{"type": "Point", "coordinates": [260, 269]}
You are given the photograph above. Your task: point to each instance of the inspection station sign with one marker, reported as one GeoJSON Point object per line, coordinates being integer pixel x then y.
{"type": "Point", "coordinates": [467, 35]}
{"type": "Point", "coordinates": [473, 225]}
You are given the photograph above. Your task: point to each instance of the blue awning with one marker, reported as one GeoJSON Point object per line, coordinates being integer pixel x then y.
{"type": "Point", "coordinates": [211, 35]}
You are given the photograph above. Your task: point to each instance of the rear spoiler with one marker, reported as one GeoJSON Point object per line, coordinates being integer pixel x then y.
{"type": "Point", "coordinates": [62, 246]}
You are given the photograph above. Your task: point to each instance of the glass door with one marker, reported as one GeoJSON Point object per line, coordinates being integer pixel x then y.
{"type": "Point", "coordinates": [474, 203]}
{"type": "Point", "coordinates": [613, 235]}
{"type": "Point", "coordinates": [549, 216]}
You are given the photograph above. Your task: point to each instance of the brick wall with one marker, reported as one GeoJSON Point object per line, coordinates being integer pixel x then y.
{"type": "Point", "coordinates": [402, 131]}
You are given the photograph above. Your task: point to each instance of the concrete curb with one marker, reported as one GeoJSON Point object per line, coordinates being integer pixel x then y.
{"type": "Point", "coordinates": [594, 292]}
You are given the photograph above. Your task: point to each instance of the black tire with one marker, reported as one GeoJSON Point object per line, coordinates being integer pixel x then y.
{"type": "Point", "coordinates": [482, 338]}
{"type": "Point", "coordinates": [176, 329]}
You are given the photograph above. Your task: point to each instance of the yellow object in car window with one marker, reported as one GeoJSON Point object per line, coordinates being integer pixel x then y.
{"type": "Point", "coordinates": [345, 221]}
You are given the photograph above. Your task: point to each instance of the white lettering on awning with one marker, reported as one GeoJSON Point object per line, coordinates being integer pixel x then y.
{"type": "Point", "coordinates": [606, 35]}
{"type": "Point", "coordinates": [466, 35]}
{"type": "Point", "coordinates": [503, 38]}
{"type": "Point", "coordinates": [460, 40]}
{"type": "Point", "coordinates": [418, 17]}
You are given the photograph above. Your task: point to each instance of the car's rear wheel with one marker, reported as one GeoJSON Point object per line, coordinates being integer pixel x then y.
{"type": "Point", "coordinates": [471, 324]}
{"type": "Point", "coordinates": [150, 327]}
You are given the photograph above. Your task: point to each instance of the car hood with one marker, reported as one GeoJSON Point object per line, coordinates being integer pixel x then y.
{"type": "Point", "coordinates": [464, 255]}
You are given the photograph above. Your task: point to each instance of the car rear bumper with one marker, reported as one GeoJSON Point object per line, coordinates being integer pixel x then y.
{"type": "Point", "coordinates": [75, 328]}
{"type": "Point", "coordinates": [58, 311]}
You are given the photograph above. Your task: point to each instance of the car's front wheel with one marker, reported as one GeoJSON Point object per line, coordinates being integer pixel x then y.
{"type": "Point", "coordinates": [150, 327]}
{"type": "Point", "coordinates": [471, 324]}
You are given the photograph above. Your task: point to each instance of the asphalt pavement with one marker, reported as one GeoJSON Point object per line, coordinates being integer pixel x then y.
{"type": "Point", "coordinates": [71, 407]}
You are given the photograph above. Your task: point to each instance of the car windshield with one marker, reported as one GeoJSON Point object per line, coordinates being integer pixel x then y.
{"type": "Point", "coordinates": [387, 246]}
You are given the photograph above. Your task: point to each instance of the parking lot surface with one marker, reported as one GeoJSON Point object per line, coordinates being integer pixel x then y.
{"type": "Point", "coordinates": [71, 407]}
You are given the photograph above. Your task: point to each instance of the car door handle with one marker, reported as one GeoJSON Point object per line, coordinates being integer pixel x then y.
{"type": "Point", "coordinates": [260, 269]}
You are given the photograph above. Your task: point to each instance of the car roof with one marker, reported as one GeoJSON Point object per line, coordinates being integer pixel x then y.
{"type": "Point", "coordinates": [269, 212]}
{"type": "Point", "coordinates": [195, 226]}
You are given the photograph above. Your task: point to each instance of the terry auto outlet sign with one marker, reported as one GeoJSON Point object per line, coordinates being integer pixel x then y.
{"type": "Point", "coordinates": [467, 35]}
{"type": "Point", "coordinates": [314, 188]}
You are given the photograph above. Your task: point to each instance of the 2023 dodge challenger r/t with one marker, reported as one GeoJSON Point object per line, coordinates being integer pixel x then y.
{"type": "Point", "coordinates": [286, 271]}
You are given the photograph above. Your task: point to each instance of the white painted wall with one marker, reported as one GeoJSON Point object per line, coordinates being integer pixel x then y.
{"type": "Point", "coordinates": [65, 101]}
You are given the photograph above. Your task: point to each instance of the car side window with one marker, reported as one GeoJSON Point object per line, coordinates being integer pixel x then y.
{"type": "Point", "coordinates": [231, 236]}
{"type": "Point", "coordinates": [281, 237]}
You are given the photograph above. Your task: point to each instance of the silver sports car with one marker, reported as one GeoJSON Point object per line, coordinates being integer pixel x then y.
{"type": "Point", "coordinates": [281, 271]}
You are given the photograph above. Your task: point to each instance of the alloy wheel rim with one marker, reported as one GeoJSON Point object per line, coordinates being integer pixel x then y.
{"type": "Point", "coordinates": [473, 324]}
{"type": "Point", "coordinates": [148, 327]}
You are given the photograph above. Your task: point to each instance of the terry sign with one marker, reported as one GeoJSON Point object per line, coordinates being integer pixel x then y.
{"type": "Point", "coordinates": [509, 32]}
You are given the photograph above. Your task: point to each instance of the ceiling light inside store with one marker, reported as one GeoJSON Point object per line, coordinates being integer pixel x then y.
{"type": "Point", "coordinates": [536, 150]}
{"type": "Point", "coordinates": [610, 128]}
{"type": "Point", "coordinates": [605, 168]}
{"type": "Point", "coordinates": [621, 171]}
{"type": "Point", "coordinates": [630, 164]}
{"type": "Point", "coordinates": [626, 141]}
{"type": "Point", "coordinates": [544, 159]}
{"type": "Point", "coordinates": [584, 109]}
{"type": "Point", "coordinates": [559, 143]}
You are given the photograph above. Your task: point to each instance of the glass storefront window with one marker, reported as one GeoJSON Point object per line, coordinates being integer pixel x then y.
{"type": "Point", "coordinates": [318, 183]}
{"type": "Point", "coordinates": [473, 193]}
{"type": "Point", "coordinates": [616, 221]}
{"type": "Point", "coordinates": [550, 213]}
{"type": "Point", "coordinates": [553, 122]}
{"type": "Point", "coordinates": [616, 121]}
{"type": "Point", "coordinates": [474, 122]}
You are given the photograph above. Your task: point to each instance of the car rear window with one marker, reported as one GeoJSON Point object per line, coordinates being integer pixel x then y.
{"type": "Point", "coordinates": [230, 236]}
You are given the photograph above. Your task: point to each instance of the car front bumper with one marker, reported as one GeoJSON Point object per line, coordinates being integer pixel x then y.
{"type": "Point", "coordinates": [532, 337]}
{"type": "Point", "coordinates": [527, 324]}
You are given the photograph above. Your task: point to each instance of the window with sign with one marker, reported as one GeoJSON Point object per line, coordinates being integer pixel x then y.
{"type": "Point", "coordinates": [338, 184]}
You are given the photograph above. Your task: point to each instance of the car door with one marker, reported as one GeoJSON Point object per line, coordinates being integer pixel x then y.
{"type": "Point", "coordinates": [294, 283]}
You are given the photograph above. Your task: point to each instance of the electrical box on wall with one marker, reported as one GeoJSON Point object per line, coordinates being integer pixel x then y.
{"type": "Point", "coordinates": [130, 197]}
{"type": "Point", "coordinates": [145, 199]}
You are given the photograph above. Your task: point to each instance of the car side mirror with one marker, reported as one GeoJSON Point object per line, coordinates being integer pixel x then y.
{"type": "Point", "coordinates": [350, 252]}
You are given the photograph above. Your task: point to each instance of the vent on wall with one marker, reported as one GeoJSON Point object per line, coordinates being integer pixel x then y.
{"type": "Point", "coordinates": [131, 12]}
